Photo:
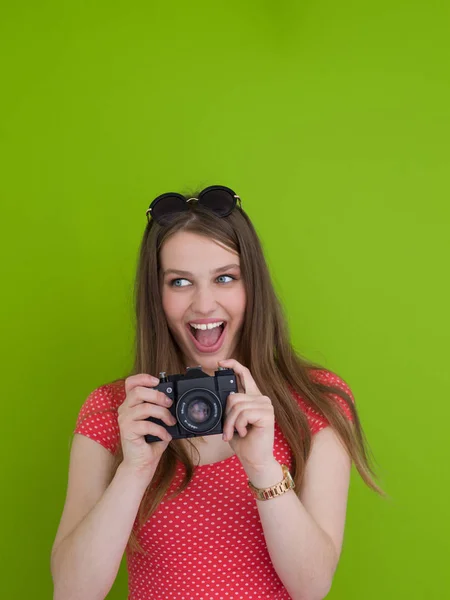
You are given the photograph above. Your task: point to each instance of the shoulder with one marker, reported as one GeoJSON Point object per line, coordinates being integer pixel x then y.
{"type": "Point", "coordinates": [107, 397]}
{"type": "Point", "coordinates": [98, 416]}
{"type": "Point", "coordinates": [331, 379]}
{"type": "Point", "coordinates": [316, 420]}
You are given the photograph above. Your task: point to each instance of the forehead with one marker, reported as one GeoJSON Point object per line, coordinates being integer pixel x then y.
{"type": "Point", "coordinates": [196, 253]}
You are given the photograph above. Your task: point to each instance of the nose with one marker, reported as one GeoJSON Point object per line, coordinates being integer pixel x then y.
{"type": "Point", "coordinates": [204, 301]}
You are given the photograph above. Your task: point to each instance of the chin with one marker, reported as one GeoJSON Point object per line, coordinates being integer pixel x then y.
{"type": "Point", "coordinates": [207, 362]}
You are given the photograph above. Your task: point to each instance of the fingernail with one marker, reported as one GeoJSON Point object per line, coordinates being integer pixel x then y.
{"type": "Point", "coordinates": [224, 437]}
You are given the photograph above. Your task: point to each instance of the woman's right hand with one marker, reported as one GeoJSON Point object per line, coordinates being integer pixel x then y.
{"type": "Point", "coordinates": [140, 403]}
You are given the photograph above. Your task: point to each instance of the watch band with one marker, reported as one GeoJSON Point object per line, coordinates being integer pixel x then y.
{"type": "Point", "coordinates": [275, 490]}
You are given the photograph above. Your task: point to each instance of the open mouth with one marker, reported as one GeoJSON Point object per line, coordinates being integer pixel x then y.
{"type": "Point", "coordinates": [207, 340]}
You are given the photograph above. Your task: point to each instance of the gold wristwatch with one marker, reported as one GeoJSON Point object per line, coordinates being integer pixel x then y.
{"type": "Point", "coordinates": [275, 490]}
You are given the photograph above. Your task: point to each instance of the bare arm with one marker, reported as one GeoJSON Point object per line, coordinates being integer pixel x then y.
{"type": "Point", "coordinates": [304, 535]}
{"type": "Point", "coordinates": [100, 510]}
{"type": "Point", "coordinates": [86, 559]}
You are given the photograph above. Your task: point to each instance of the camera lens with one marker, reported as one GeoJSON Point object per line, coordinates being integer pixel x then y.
{"type": "Point", "coordinates": [199, 410]}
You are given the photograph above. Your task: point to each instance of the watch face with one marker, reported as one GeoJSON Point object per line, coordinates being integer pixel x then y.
{"type": "Point", "coordinates": [288, 476]}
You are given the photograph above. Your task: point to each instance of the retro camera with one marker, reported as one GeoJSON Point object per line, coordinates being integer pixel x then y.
{"type": "Point", "coordinates": [199, 402]}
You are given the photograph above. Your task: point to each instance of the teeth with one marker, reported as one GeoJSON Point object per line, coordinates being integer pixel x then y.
{"type": "Point", "coordinates": [206, 325]}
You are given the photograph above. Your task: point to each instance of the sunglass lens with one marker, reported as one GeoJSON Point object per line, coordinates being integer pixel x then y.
{"type": "Point", "coordinates": [166, 206]}
{"type": "Point", "coordinates": [220, 201]}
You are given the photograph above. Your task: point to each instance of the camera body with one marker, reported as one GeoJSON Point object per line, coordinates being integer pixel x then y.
{"type": "Point", "coordinates": [199, 402]}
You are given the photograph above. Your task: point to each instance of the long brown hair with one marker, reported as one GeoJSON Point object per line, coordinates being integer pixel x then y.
{"type": "Point", "coordinates": [265, 348]}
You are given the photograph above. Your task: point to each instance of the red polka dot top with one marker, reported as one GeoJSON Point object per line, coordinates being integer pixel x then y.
{"type": "Point", "coordinates": [208, 541]}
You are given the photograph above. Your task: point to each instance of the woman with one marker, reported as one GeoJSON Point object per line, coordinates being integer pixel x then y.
{"type": "Point", "coordinates": [257, 512]}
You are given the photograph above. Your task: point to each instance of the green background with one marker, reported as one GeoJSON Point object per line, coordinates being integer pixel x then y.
{"type": "Point", "coordinates": [331, 120]}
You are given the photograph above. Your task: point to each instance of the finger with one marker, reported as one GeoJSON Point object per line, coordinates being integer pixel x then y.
{"type": "Point", "coordinates": [234, 399]}
{"type": "Point", "coordinates": [240, 415]}
{"type": "Point", "coordinates": [247, 400]}
{"type": "Point", "coordinates": [145, 410]}
{"type": "Point", "coordinates": [141, 379]}
{"type": "Point", "coordinates": [248, 383]}
{"type": "Point", "coordinates": [236, 422]}
{"type": "Point", "coordinates": [143, 394]}
{"type": "Point", "coordinates": [141, 428]}
{"type": "Point", "coordinates": [258, 414]}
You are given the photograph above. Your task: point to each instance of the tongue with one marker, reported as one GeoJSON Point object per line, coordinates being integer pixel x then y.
{"type": "Point", "coordinates": [208, 337]}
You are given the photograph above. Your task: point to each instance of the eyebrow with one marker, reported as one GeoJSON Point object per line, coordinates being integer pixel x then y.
{"type": "Point", "coordinates": [213, 272]}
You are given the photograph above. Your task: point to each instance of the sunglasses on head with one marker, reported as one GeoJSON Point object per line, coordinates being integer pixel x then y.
{"type": "Point", "coordinates": [219, 199]}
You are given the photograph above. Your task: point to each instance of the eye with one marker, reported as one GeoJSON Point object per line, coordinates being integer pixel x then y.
{"type": "Point", "coordinates": [173, 282]}
{"type": "Point", "coordinates": [229, 276]}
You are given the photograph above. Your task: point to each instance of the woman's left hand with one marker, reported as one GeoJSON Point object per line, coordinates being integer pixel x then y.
{"type": "Point", "coordinates": [252, 415]}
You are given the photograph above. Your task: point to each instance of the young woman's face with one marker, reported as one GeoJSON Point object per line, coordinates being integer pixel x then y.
{"type": "Point", "coordinates": [201, 285]}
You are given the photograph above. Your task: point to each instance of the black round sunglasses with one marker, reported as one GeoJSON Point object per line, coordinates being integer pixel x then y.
{"type": "Point", "coordinates": [218, 198]}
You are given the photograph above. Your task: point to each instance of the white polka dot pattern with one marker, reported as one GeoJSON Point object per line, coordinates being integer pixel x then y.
{"type": "Point", "coordinates": [207, 542]}
{"type": "Point", "coordinates": [316, 421]}
{"type": "Point", "coordinates": [97, 418]}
